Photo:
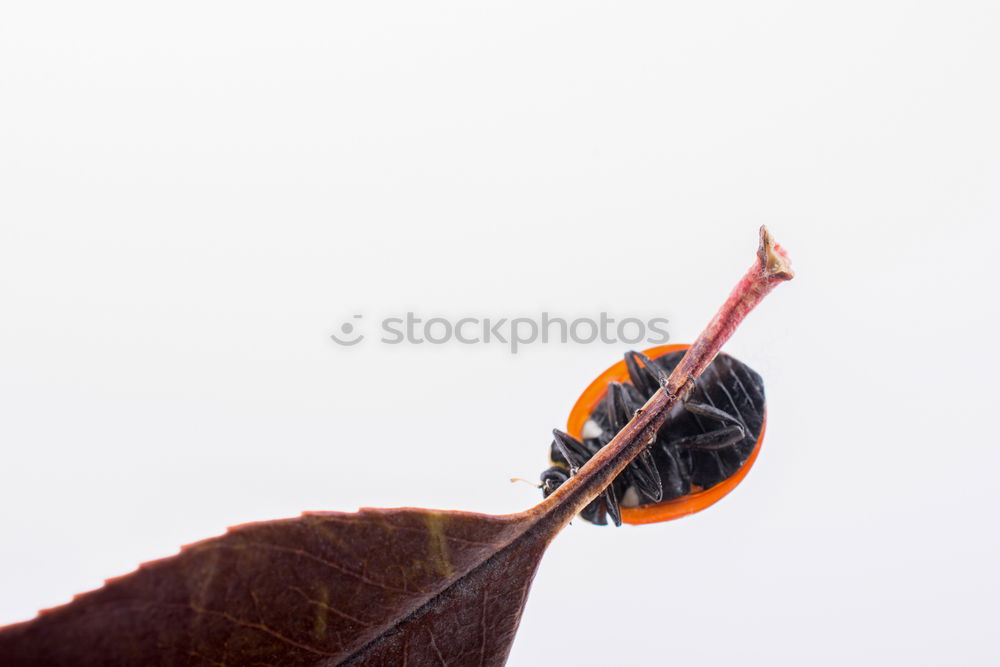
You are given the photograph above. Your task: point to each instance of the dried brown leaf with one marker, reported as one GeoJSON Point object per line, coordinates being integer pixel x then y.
{"type": "Point", "coordinates": [392, 586]}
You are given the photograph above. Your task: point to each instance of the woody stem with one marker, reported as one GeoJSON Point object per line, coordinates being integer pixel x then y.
{"type": "Point", "coordinates": [770, 268]}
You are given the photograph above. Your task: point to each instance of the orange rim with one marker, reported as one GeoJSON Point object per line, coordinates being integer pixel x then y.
{"type": "Point", "coordinates": [668, 509]}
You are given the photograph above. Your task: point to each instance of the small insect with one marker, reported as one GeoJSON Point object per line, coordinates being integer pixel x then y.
{"type": "Point", "coordinates": [704, 449]}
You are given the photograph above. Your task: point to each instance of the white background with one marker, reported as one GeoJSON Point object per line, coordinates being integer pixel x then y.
{"type": "Point", "coordinates": [194, 197]}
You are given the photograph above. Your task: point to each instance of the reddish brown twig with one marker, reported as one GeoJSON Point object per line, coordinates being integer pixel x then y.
{"type": "Point", "coordinates": [770, 268]}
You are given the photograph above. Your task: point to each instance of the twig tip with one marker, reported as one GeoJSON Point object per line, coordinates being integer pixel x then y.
{"type": "Point", "coordinates": [773, 258]}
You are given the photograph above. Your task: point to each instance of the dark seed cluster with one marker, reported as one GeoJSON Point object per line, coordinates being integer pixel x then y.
{"type": "Point", "coordinates": [704, 440]}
